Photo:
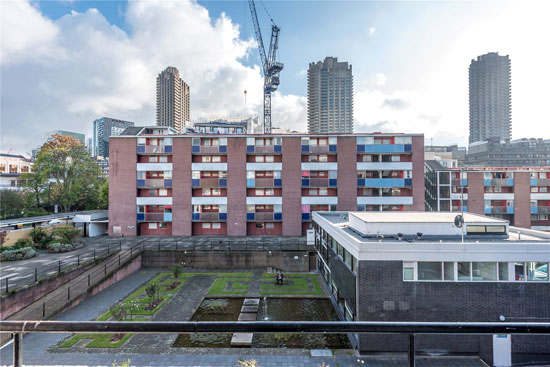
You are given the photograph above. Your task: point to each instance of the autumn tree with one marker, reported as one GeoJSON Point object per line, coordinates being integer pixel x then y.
{"type": "Point", "coordinates": [71, 173]}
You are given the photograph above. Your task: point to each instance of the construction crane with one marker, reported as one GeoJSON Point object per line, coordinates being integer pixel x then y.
{"type": "Point", "coordinates": [271, 67]}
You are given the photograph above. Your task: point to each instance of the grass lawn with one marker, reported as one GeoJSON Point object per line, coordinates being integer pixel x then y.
{"type": "Point", "coordinates": [97, 341]}
{"type": "Point", "coordinates": [220, 285]}
{"type": "Point", "coordinates": [298, 285]}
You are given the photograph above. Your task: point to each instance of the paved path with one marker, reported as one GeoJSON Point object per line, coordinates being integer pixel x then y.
{"type": "Point", "coordinates": [38, 351]}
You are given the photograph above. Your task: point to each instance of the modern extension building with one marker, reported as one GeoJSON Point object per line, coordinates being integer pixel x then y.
{"type": "Point", "coordinates": [520, 195]}
{"type": "Point", "coordinates": [329, 97]}
{"type": "Point", "coordinates": [80, 137]}
{"type": "Point", "coordinates": [490, 97]}
{"type": "Point", "coordinates": [414, 267]}
{"type": "Point", "coordinates": [237, 185]}
{"type": "Point", "coordinates": [104, 128]}
{"type": "Point", "coordinates": [515, 153]}
{"type": "Point", "coordinates": [173, 97]}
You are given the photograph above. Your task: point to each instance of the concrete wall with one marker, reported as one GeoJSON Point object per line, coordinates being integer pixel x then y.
{"type": "Point", "coordinates": [122, 187]}
{"type": "Point", "coordinates": [292, 187]}
{"type": "Point", "coordinates": [236, 187]}
{"type": "Point", "coordinates": [181, 188]}
{"type": "Point", "coordinates": [297, 261]}
{"type": "Point", "coordinates": [384, 296]}
{"type": "Point", "coordinates": [347, 173]}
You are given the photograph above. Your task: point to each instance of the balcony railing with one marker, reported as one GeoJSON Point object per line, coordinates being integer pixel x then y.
{"type": "Point", "coordinates": [384, 182]}
{"type": "Point", "coordinates": [319, 182]}
{"type": "Point", "coordinates": [384, 148]}
{"type": "Point", "coordinates": [458, 209]}
{"type": "Point", "coordinates": [154, 217]}
{"type": "Point", "coordinates": [209, 182]}
{"type": "Point", "coordinates": [540, 210]}
{"type": "Point", "coordinates": [264, 217]}
{"type": "Point", "coordinates": [498, 182]}
{"type": "Point", "coordinates": [459, 182]}
{"type": "Point", "coordinates": [499, 210]}
{"type": "Point", "coordinates": [154, 149]}
{"type": "Point", "coordinates": [540, 182]}
{"type": "Point", "coordinates": [154, 183]}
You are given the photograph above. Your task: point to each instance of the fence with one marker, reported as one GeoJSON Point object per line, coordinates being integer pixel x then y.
{"type": "Point", "coordinates": [17, 328]}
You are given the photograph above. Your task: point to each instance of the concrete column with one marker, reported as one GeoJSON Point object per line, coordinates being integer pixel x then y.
{"type": "Point", "coordinates": [123, 186]}
{"type": "Point", "coordinates": [181, 187]}
{"type": "Point", "coordinates": [347, 173]}
{"type": "Point", "coordinates": [292, 186]}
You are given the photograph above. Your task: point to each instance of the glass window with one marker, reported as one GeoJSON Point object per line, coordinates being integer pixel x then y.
{"type": "Point", "coordinates": [141, 141]}
{"type": "Point", "coordinates": [269, 192]}
{"type": "Point", "coordinates": [475, 229]}
{"type": "Point", "coordinates": [323, 192]}
{"type": "Point", "coordinates": [269, 225]}
{"type": "Point", "coordinates": [503, 271]}
{"type": "Point", "coordinates": [153, 226]}
{"type": "Point", "coordinates": [463, 271]}
{"type": "Point", "coordinates": [259, 192]}
{"type": "Point", "coordinates": [196, 174]}
{"type": "Point", "coordinates": [216, 225]}
{"type": "Point", "coordinates": [163, 192]}
{"type": "Point", "coordinates": [153, 159]}
{"type": "Point", "coordinates": [196, 141]}
{"type": "Point", "coordinates": [168, 174]}
{"type": "Point", "coordinates": [449, 271]}
{"type": "Point", "coordinates": [484, 271]}
{"type": "Point", "coordinates": [259, 158]}
{"type": "Point", "coordinates": [206, 225]}
{"type": "Point", "coordinates": [496, 229]}
{"type": "Point", "coordinates": [429, 271]}
{"type": "Point", "coordinates": [163, 159]}
{"type": "Point", "coordinates": [537, 271]}
{"type": "Point", "coordinates": [520, 271]}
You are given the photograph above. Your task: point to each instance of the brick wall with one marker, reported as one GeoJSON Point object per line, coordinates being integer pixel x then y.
{"type": "Point", "coordinates": [347, 173]}
{"type": "Point", "coordinates": [236, 187]}
{"type": "Point", "coordinates": [476, 191]}
{"type": "Point", "coordinates": [122, 186]}
{"type": "Point", "coordinates": [292, 187]}
{"type": "Point", "coordinates": [522, 199]}
{"type": "Point", "coordinates": [181, 188]}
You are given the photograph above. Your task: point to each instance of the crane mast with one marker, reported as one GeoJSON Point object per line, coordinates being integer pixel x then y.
{"type": "Point", "coordinates": [270, 66]}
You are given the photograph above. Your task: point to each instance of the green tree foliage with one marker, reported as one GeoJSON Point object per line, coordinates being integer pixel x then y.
{"type": "Point", "coordinates": [72, 175]}
{"type": "Point", "coordinates": [40, 236]}
{"type": "Point", "coordinates": [12, 204]}
{"type": "Point", "coordinates": [66, 234]}
{"type": "Point", "coordinates": [36, 185]}
{"type": "Point", "coordinates": [104, 194]}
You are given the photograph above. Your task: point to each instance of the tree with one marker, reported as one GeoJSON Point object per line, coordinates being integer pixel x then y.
{"type": "Point", "coordinates": [104, 194]}
{"type": "Point", "coordinates": [73, 175]}
{"type": "Point", "coordinates": [35, 184]}
{"type": "Point", "coordinates": [12, 204]}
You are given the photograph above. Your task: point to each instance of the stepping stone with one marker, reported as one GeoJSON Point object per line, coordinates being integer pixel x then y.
{"type": "Point", "coordinates": [241, 340]}
{"type": "Point", "coordinates": [249, 309]}
{"type": "Point", "coordinates": [321, 353]}
{"type": "Point", "coordinates": [251, 302]}
{"type": "Point", "coordinates": [247, 317]}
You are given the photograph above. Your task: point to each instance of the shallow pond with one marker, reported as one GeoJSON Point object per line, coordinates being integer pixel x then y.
{"type": "Point", "coordinates": [278, 309]}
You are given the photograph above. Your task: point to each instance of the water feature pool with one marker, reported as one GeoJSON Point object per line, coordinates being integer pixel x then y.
{"type": "Point", "coordinates": [278, 309]}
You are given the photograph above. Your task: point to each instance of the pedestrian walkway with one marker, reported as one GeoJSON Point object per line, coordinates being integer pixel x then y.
{"type": "Point", "coordinates": [40, 350]}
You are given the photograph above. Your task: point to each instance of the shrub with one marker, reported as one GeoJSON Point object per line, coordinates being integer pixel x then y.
{"type": "Point", "coordinates": [152, 291]}
{"type": "Point", "coordinates": [66, 233]}
{"type": "Point", "coordinates": [120, 311]}
{"type": "Point", "coordinates": [60, 247]}
{"type": "Point", "coordinates": [40, 236]}
{"type": "Point", "coordinates": [23, 242]}
{"type": "Point", "coordinates": [176, 271]}
{"type": "Point", "coordinates": [18, 254]}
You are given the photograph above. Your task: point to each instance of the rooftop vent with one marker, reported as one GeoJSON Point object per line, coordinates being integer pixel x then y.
{"type": "Point", "coordinates": [418, 235]}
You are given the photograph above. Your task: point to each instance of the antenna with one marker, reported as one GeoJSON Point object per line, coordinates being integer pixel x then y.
{"type": "Point", "coordinates": [245, 102]}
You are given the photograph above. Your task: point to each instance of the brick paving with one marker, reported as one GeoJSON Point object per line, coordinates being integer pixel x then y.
{"type": "Point", "coordinates": [150, 350]}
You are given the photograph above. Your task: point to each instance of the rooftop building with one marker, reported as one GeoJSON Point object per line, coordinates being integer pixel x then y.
{"type": "Point", "coordinates": [173, 100]}
{"type": "Point", "coordinates": [104, 128]}
{"type": "Point", "coordinates": [227, 125]}
{"type": "Point", "coordinates": [495, 152]}
{"type": "Point", "coordinates": [11, 167]}
{"type": "Point", "coordinates": [415, 266]}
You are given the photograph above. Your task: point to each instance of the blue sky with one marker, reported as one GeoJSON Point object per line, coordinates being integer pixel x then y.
{"type": "Point", "coordinates": [85, 59]}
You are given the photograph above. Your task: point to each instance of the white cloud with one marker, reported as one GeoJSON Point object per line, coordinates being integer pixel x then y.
{"type": "Point", "coordinates": [302, 74]}
{"type": "Point", "coordinates": [289, 111]}
{"type": "Point", "coordinates": [65, 74]}
{"type": "Point", "coordinates": [371, 31]}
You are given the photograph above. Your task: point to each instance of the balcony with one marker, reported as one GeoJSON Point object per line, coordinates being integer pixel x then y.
{"type": "Point", "coordinates": [209, 149]}
{"type": "Point", "coordinates": [264, 149]}
{"type": "Point", "coordinates": [540, 210]}
{"type": "Point", "coordinates": [154, 149]}
{"type": "Point", "coordinates": [316, 149]}
{"type": "Point", "coordinates": [209, 217]}
{"type": "Point", "coordinates": [153, 183]}
{"type": "Point", "coordinates": [458, 209]}
{"type": "Point", "coordinates": [499, 210]}
{"type": "Point", "coordinates": [264, 217]}
{"type": "Point", "coordinates": [263, 182]}
{"type": "Point", "coordinates": [384, 148]}
{"type": "Point", "coordinates": [154, 217]}
{"type": "Point", "coordinates": [384, 182]}
{"type": "Point", "coordinates": [319, 182]}
{"type": "Point", "coordinates": [498, 182]}
{"type": "Point", "coordinates": [459, 182]}
{"type": "Point", "coordinates": [540, 182]}
{"type": "Point", "coordinates": [209, 182]}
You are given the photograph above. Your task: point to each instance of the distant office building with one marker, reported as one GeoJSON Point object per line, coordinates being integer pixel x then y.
{"type": "Point", "coordinates": [81, 137]}
{"type": "Point", "coordinates": [172, 100]}
{"type": "Point", "coordinates": [103, 129]}
{"type": "Point", "coordinates": [449, 156]}
{"type": "Point", "coordinates": [515, 153]}
{"type": "Point", "coordinates": [520, 195]}
{"type": "Point", "coordinates": [103, 163]}
{"type": "Point", "coordinates": [11, 167]}
{"type": "Point", "coordinates": [329, 97]}
{"type": "Point", "coordinates": [490, 98]}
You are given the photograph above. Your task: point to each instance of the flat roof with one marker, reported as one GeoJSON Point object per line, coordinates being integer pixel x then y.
{"type": "Point", "coordinates": [423, 217]}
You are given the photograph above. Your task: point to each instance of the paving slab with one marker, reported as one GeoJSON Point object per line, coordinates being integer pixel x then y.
{"type": "Point", "coordinates": [242, 340]}
{"type": "Point", "coordinates": [251, 302]}
{"type": "Point", "coordinates": [249, 309]}
{"type": "Point", "coordinates": [321, 353]}
{"type": "Point", "coordinates": [247, 317]}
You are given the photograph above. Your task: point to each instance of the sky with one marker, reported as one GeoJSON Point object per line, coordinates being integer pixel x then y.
{"type": "Point", "coordinates": [65, 63]}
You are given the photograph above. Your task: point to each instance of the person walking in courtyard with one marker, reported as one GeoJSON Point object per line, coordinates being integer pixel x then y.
{"type": "Point", "coordinates": [279, 277]}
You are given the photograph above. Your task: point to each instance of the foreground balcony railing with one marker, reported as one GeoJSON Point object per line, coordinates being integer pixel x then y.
{"type": "Point", "coordinates": [17, 328]}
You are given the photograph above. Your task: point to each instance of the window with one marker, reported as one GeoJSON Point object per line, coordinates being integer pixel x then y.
{"type": "Point", "coordinates": [153, 226]}
{"type": "Point", "coordinates": [163, 159]}
{"type": "Point", "coordinates": [482, 271]}
{"type": "Point", "coordinates": [206, 225]}
{"type": "Point", "coordinates": [313, 192]}
{"type": "Point", "coordinates": [519, 269]}
{"type": "Point", "coordinates": [269, 225]}
{"type": "Point", "coordinates": [463, 271]}
{"type": "Point", "coordinates": [259, 158]}
{"type": "Point", "coordinates": [269, 192]}
{"type": "Point", "coordinates": [503, 271]}
{"type": "Point", "coordinates": [153, 159]}
{"type": "Point", "coordinates": [206, 159]}
{"type": "Point", "coordinates": [475, 229]}
{"type": "Point", "coordinates": [216, 225]}
{"type": "Point", "coordinates": [448, 271]}
{"type": "Point", "coordinates": [429, 271]}
{"type": "Point", "coordinates": [269, 158]}
{"type": "Point", "coordinates": [163, 225]}
{"type": "Point", "coordinates": [153, 192]}
{"type": "Point", "coordinates": [537, 271]}
{"type": "Point", "coordinates": [323, 192]}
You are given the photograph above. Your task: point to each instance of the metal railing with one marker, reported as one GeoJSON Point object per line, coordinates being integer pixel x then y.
{"type": "Point", "coordinates": [18, 328]}
{"type": "Point", "coordinates": [20, 280]}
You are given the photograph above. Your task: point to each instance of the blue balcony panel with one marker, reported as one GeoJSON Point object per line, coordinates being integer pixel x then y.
{"type": "Point", "coordinates": [487, 210]}
{"type": "Point", "coordinates": [333, 182]}
{"type": "Point", "coordinates": [385, 182]}
{"type": "Point", "coordinates": [305, 182]}
{"type": "Point", "coordinates": [486, 182]}
{"type": "Point", "coordinates": [408, 182]}
{"type": "Point", "coordinates": [223, 149]}
{"type": "Point", "coordinates": [305, 217]}
{"type": "Point", "coordinates": [141, 149]}
{"type": "Point", "coordinates": [408, 148]}
{"type": "Point", "coordinates": [250, 182]}
{"type": "Point", "coordinates": [140, 217]}
{"type": "Point", "coordinates": [196, 182]}
{"type": "Point", "coordinates": [534, 210]}
{"type": "Point", "coordinates": [533, 182]}
{"type": "Point", "coordinates": [464, 182]}
{"type": "Point", "coordinates": [510, 210]}
{"type": "Point", "coordinates": [388, 148]}
{"type": "Point", "coordinates": [360, 182]}
{"type": "Point", "coordinates": [250, 216]}
{"type": "Point", "coordinates": [141, 183]}
{"type": "Point", "coordinates": [277, 148]}
{"type": "Point", "coordinates": [196, 216]}
{"type": "Point", "coordinates": [250, 148]}
{"type": "Point", "coordinates": [167, 217]}
{"type": "Point", "coordinates": [360, 149]}
{"type": "Point", "coordinates": [167, 182]}
{"type": "Point", "coordinates": [305, 148]}
{"type": "Point", "coordinates": [332, 148]}
{"type": "Point", "coordinates": [277, 182]}
{"type": "Point", "coordinates": [509, 182]}
{"type": "Point", "coordinates": [222, 216]}
{"type": "Point", "coordinates": [223, 182]}
{"type": "Point", "coordinates": [196, 149]}
{"type": "Point", "coordinates": [167, 149]}
{"type": "Point", "coordinates": [278, 216]}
